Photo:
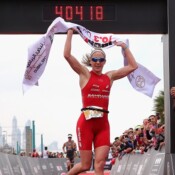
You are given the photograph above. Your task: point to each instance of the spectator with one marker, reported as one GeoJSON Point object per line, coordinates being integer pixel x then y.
{"type": "Point", "coordinates": [142, 143]}
{"type": "Point", "coordinates": [34, 153]}
{"type": "Point", "coordinates": [115, 147]}
{"type": "Point", "coordinates": [22, 153]}
{"type": "Point", "coordinates": [126, 146]}
{"type": "Point", "coordinates": [160, 137]}
{"type": "Point", "coordinates": [153, 128]}
{"type": "Point", "coordinates": [172, 92]}
{"type": "Point", "coordinates": [60, 155]}
{"type": "Point", "coordinates": [146, 128]}
{"type": "Point", "coordinates": [45, 153]}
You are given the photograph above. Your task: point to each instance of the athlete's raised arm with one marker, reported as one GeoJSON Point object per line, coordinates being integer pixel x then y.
{"type": "Point", "coordinates": [73, 62]}
{"type": "Point", "coordinates": [127, 69]}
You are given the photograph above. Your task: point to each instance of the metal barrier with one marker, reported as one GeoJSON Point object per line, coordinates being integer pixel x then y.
{"type": "Point", "coordinates": [149, 163]}
{"type": "Point", "coordinates": [22, 165]}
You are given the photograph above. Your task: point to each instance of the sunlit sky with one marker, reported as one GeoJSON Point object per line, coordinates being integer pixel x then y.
{"type": "Point", "coordinates": [55, 104]}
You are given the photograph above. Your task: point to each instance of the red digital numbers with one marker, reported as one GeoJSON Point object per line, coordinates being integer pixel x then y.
{"type": "Point", "coordinates": [80, 12]}
{"type": "Point", "coordinates": [99, 13]}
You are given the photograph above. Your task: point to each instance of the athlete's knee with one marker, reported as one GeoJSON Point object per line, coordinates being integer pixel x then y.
{"type": "Point", "coordinates": [86, 166]}
{"type": "Point", "coordinates": [83, 167]}
{"type": "Point", "coordinates": [99, 165]}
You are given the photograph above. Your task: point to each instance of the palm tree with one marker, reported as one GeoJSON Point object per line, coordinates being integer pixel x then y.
{"type": "Point", "coordinates": [159, 106]}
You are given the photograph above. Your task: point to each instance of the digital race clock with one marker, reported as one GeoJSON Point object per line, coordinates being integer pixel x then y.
{"type": "Point", "coordinates": [111, 16]}
{"type": "Point", "coordinates": [78, 12]}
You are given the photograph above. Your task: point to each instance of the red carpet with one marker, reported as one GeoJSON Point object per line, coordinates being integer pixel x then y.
{"type": "Point", "coordinates": [92, 173]}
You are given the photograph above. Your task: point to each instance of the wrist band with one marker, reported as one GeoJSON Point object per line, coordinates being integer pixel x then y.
{"type": "Point", "coordinates": [125, 48]}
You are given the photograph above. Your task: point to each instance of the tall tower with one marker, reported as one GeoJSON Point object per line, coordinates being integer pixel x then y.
{"type": "Point", "coordinates": [18, 144]}
{"type": "Point", "coordinates": [28, 123]}
{"type": "Point", "coordinates": [28, 140]}
{"type": "Point", "coordinates": [16, 134]}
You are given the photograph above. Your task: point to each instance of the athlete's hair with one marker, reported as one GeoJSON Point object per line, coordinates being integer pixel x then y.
{"type": "Point", "coordinates": [87, 57]}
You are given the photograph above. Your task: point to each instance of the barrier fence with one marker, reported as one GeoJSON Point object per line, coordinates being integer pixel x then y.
{"type": "Point", "coordinates": [149, 163]}
{"type": "Point", "coordinates": [22, 165]}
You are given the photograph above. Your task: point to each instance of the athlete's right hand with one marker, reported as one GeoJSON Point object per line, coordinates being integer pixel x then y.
{"type": "Point", "coordinates": [72, 30]}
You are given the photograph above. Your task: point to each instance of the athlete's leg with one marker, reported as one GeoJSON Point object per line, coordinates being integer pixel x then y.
{"type": "Point", "coordinates": [84, 165]}
{"type": "Point", "coordinates": [101, 153]}
{"type": "Point", "coordinates": [68, 164]}
{"type": "Point", "coordinates": [72, 162]}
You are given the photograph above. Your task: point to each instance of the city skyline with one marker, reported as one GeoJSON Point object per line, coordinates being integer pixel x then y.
{"type": "Point", "coordinates": [18, 137]}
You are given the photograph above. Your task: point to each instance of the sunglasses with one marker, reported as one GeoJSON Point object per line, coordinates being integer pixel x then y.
{"type": "Point", "coordinates": [98, 59]}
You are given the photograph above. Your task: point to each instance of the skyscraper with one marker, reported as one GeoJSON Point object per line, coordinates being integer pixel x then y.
{"type": "Point", "coordinates": [28, 124]}
{"type": "Point", "coordinates": [16, 135]}
{"type": "Point", "coordinates": [28, 140]}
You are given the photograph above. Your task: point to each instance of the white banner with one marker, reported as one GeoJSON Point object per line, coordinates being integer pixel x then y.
{"type": "Point", "coordinates": [142, 79]}
{"type": "Point", "coordinates": [38, 54]}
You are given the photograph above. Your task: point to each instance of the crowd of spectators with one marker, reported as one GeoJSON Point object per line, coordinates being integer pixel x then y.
{"type": "Point", "coordinates": [51, 154]}
{"type": "Point", "coordinates": [149, 134]}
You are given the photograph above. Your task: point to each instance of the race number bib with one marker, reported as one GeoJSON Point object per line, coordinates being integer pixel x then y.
{"type": "Point", "coordinates": [89, 113]}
